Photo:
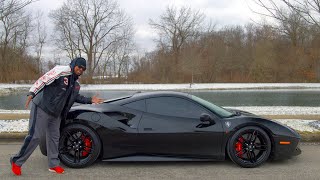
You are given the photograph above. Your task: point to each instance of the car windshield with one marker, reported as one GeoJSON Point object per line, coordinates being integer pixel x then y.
{"type": "Point", "coordinates": [216, 109]}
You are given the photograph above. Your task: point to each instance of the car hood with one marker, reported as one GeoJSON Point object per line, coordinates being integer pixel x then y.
{"type": "Point", "coordinates": [277, 127]}
{"type": "Point", "coordinates": [240, 112]}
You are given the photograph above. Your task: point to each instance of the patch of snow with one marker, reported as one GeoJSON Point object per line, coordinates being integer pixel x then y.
{"type": "Point", "coordinates": [315, 124]}
{"type": "Point", "coordinates": [279, 110]}
{"type": "Point", "coordinates": [4, 111]}
{"type": "Point", "coordinates": [14, 125]}
{"type": "Point", "coordinates": [212, 86]}
{"type": "Point", "coordinates": [298, 124]}
{"type": "Point", "coordinates": [14, 86]}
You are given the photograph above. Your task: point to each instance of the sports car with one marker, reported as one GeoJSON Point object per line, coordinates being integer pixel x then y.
{"type": "Point", "coordinates": [170, 126]}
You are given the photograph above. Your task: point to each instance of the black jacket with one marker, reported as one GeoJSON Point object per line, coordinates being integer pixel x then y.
{"type": "Point", "coordinates": [57, 98]}
{"type": "Point", "coordinates": [57, 90]}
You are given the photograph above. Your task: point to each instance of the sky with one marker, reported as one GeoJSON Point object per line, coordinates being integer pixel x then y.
{"type": "Point", "coordinates": [222, 12]}
{"type": "Point", "coordinates": [219, 12]}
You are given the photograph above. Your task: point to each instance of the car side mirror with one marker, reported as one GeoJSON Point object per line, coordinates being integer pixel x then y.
{"type": "Point", "coordinates": [206, 118]}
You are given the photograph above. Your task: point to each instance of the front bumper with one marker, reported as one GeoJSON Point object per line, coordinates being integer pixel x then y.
{"type": "Point", "coordinates": [281, 151]}
{"type": "Point", "coordinates": [297, 151]}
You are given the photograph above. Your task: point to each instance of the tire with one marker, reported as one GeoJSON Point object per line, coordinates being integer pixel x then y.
{"type": "Point", "coordinates": [79, 146]}
{"type": "Point", "coordinates": [249, 147]}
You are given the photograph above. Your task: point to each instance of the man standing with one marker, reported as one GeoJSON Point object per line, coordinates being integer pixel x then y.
{"type": "Point", "coordinates": [52, 96]}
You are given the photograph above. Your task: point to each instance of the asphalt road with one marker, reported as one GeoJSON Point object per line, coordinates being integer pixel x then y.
{"type": "Point", "coordinates": [305, 166]}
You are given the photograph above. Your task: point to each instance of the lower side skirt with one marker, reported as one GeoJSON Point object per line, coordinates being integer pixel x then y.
{"type": "Point", "coordinates": [154, 158]}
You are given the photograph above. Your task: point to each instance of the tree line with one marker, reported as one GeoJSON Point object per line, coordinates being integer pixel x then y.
{"type": "Point", "coordinates": [286, 50]}
{"type": "Point", "coordinates": [189, 50]}
{"type": "Point", "coordinates": [15, 27]}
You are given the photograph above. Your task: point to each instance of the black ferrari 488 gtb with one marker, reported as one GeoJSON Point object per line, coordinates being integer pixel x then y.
{"type": "Point", "coordinates": [170, 126]}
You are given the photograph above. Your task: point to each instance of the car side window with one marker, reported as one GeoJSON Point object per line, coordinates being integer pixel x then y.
{"type": "Point", "coordinates": [173, 106]}
{"type": "Point", "coordinates": [137, 105]}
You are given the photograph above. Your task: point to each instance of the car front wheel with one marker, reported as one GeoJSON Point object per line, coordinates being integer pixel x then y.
{"type": "Point", "coordinates": [249, 147]}
{"type": "Point", "coordinates": [79, 146]}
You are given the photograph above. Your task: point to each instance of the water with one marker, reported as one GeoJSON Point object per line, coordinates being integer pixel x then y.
{"type": "Point", "coordinates": [219, 97]}
{"type": "Point", "coordinates": [262, 97]}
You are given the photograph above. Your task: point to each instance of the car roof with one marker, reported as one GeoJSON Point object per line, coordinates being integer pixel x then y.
{"type": "Point", "coordinates": [159, 93]}
{"type": "Point", "coordinates": [150, 94]}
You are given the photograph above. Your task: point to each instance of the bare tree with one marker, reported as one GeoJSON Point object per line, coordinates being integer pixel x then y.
{"type": "Point", "coordinates": [15, 32]}
{"type": "Point", "coordinates": [308, 9]}
{"type": "Point", "coordinates": [121, 59]}
{"type": "Point", "coordinates": [90, 27]}
{"type": "Point", "coordinates": [290, 21]}
{"type": "Point", "coordinates": [40, 37]}
{"type": "Point", "coordinates": [66, 37]}
{"type": "Point", "coordinates": [176, 27]}
{"type": "Point", "coordinates": [16, 28]}
{"type": "Point", "coordinates": [122, 51]}
{"type": "Point", "coordinates": [8, 7]}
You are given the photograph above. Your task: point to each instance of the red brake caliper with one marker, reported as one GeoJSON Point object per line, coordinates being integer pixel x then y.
{"type": "Point", "coordinates": [239, 147]}
{"type": "Point", "coordinates": [88, 144]}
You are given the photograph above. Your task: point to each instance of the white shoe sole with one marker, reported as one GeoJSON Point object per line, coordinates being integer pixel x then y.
{"type": "Point", "coordinates": [55, 171]}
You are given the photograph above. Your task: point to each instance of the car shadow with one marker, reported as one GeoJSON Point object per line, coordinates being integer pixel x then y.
{"type": "Point", "coordinates": [166, 163]}
{"type": "Point", "coordinates": [284, 161]}
{"type": "Point", "coordinates": [227, 162]}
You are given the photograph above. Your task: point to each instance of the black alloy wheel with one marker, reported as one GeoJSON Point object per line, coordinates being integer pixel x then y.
{"type": "Point", "coordinates": [79, 146]}
{"type": "Point", "coordinates": [249, 147]}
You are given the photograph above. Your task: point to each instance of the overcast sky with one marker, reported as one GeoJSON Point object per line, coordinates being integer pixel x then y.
{"type": "Point", "coordinates": [221, 12]}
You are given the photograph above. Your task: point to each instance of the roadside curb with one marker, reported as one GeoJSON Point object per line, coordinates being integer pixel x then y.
{"type": "Point", "coordinates": [13, 135]}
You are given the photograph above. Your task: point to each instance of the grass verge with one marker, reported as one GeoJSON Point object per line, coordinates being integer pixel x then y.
{"type": "Point", "coordinates": [309, 136]}
{"type": "Point", "coordinates": [13, 116]}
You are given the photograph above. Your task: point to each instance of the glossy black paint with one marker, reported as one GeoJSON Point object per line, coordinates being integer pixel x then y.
{"type": "Point", "coordinates": [171, 126]}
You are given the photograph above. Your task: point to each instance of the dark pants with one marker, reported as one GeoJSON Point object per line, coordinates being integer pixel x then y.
{"type": "Point", "coordinates": [40, 123]}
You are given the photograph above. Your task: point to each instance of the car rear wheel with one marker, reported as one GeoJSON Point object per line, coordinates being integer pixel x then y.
{"type": "Point", "coordinates": [249, 147]}
{"type": "Point", "coordinates": [79, 146]}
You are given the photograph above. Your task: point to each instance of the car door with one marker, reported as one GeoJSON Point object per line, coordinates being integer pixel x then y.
{"type": "Point", "coordinates": [172, 126]}
{"type": "Point", "coordinates": [121, 134]}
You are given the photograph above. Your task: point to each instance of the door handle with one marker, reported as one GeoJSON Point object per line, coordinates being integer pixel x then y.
{"type": "Point", "coordinates": [147, 129]}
